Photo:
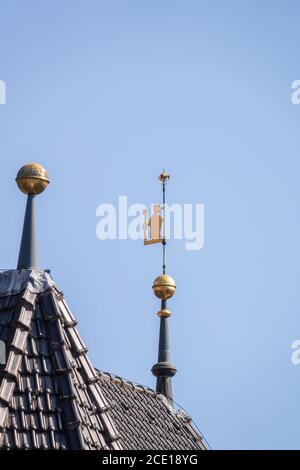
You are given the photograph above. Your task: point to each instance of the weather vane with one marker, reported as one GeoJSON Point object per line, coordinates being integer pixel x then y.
{"type": "Point", "coordinates": [164, 288]}
{"type": "Point", "coordinates": [155, 227]}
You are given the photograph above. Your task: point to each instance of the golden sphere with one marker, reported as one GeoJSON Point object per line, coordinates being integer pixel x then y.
{"type": "Point", "coordinates": [32, 178]}
{"type": "Point", "coordinates": [164, 287]}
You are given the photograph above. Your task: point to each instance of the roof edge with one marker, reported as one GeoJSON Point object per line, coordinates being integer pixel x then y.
{"type": "Point", "coordinates": [125, 383]}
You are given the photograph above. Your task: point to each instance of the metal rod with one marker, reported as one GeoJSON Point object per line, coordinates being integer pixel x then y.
{"type": "Point", "coordinates": [164, 242]}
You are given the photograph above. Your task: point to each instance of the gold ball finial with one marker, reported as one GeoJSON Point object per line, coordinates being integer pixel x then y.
{"type": "Point", "coordinates": [164, 287]}
{"type": "Point", "coordinates": [32, 178]}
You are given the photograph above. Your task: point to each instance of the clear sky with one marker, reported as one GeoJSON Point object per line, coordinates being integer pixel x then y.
{"type": "Point", "coordinates": [105, 94]}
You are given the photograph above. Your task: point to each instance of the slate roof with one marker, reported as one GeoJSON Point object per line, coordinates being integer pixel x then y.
{"type": "Point", "coordinates": [51, 397]}
{"type": "Point", "coordinates": [146, 420]}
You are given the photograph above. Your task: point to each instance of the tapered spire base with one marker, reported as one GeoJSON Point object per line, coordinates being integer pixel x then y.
{"type": "Point", "coordinates": [28, 249]}
{"type": "Point", "coordinates": [164, 370]}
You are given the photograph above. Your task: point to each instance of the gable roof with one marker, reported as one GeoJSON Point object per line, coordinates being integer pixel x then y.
{"type": "Point", "coordinates": [51, 397]}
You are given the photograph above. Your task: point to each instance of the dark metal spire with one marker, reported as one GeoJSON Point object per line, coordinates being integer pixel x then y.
{"type": "Point", "coordinates": [164, 370]}
{"type": "Point", "coordinates": [32, 179]}
{"type": "Point", "coordinates": [164, 287]}
{"type": "Point", "coordinates": [28, 248]}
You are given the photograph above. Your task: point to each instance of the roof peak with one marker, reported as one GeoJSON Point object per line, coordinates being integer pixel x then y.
{"type": "Point", "coordinates": [14, 281]}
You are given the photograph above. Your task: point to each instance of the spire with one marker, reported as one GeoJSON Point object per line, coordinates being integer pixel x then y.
{"type": "Point", "coordinates": [32, 179]}
{"type": "Point", "coordinates": [164, 288]}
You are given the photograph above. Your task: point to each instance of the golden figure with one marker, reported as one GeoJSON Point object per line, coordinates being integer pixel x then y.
{"type": "Point", "coordinates": [155, 226]}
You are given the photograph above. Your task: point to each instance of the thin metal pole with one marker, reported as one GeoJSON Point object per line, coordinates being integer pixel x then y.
{"type": "Point", "coordinates": [164, 242]}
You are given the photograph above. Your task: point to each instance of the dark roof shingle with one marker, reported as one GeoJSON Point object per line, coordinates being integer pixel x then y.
{"type": "Point", "coordinates": [51, 397]}
{"type": "Point", "coordinates": [145, 419]}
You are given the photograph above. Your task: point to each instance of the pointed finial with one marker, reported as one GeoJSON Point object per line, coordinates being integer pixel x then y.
{"type": "Point", "coordinates": [32, 179]}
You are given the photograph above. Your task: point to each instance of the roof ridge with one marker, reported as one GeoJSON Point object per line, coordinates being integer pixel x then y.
{"type": "Point", "coordinates": [144, 389]}
{"type": "Point", "coordinates": [126, 382]}
{"type": "Point", "coordinates": [75, 348]}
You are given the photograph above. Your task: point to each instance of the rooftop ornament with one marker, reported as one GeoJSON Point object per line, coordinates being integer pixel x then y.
{"type": "Point", "coordinates": [32, 179]}
{"type": "Point", "coordinates": [164, 288]}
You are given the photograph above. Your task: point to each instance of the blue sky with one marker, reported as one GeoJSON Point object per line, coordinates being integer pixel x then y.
{"type": "Point", "coordinates": [105, 94]}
